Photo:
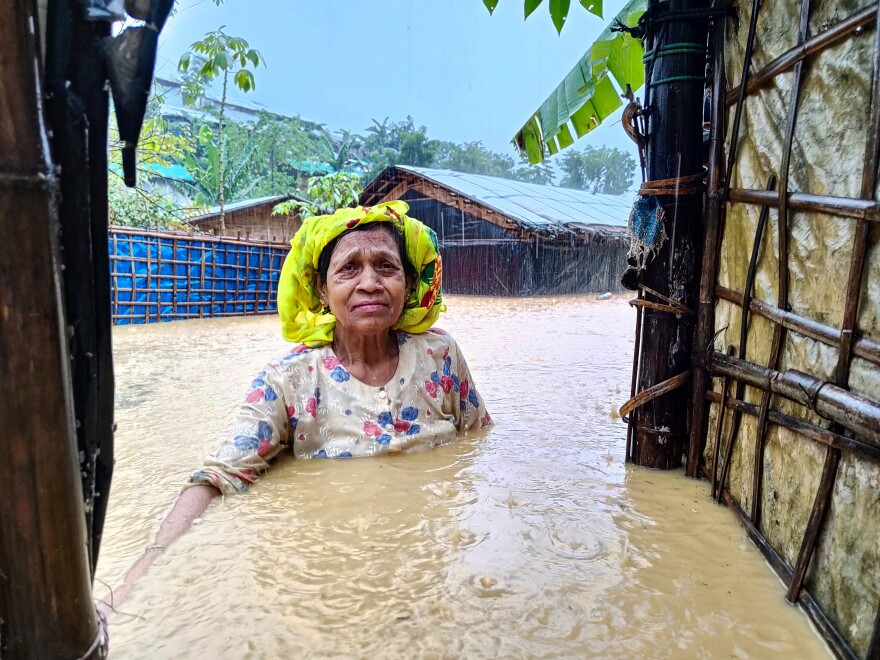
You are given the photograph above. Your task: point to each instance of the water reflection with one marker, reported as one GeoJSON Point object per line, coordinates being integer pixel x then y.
{"type": "Point", "coordinates": [533, 540]}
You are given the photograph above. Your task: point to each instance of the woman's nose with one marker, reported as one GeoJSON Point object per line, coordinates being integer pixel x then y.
{"type": "Point", "coordinates": [369, 280]}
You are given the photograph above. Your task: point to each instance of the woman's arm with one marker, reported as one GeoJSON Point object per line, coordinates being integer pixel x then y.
{"type": "Point", "coordinates": [189, 505]}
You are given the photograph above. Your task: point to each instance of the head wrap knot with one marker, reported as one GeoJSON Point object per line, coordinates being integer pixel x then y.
{"type": "Point", "coordinates": [299, 305]}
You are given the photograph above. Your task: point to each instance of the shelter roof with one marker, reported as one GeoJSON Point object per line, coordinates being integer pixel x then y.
{"type": "Point", "coordinates": [240, 205]}
{"type": "Point", "coordinates": [527, 206]}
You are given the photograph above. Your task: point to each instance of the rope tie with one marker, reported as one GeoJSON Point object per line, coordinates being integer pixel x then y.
{"type": "Point", "coordinates": [691, 184]}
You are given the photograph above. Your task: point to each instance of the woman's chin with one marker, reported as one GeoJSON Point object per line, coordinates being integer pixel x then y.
{"type": "Point", "coordinates": [369, 323]}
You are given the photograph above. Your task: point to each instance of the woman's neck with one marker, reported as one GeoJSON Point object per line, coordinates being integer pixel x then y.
{"type": "Point", "coordinates": [372, 359]}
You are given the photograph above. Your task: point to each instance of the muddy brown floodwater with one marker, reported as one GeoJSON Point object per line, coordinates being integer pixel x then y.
{"type": "Point", "coordinates": [534, 540]}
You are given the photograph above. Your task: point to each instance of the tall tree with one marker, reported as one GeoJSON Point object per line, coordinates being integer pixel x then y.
{"type": "Point", "coordinates": [218, 55]}
{"type": "Point", "coordinates": [399, 143]}
{"type": "Point", "coordinates": [473, 158]}
{"type": "Point", "coordinates": [598, 170]}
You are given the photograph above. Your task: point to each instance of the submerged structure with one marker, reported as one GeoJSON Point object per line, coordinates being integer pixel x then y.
{"type": "Point", "coordinates": [758, 340]}
{"type": "Point", "coordinates": [509, 238]}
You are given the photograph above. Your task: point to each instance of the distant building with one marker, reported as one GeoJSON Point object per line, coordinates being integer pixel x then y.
{"type": "Point", "coordinates": [251, 220]}
{"type": "Point", "coordinates": [504, 237]}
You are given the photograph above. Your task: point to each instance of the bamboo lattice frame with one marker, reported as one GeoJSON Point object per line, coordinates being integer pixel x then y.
{"type": "Point", "coordinates": [249, 289]}
{"type": "Point", "coordinates": [853, 417]}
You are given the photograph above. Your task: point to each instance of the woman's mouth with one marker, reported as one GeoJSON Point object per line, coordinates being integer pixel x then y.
{"type": "Point", "coordinates": [371, 306]}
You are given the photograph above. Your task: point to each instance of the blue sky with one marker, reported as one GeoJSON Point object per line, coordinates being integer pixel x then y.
{"type": "Point", "coordinates": [463, 74]}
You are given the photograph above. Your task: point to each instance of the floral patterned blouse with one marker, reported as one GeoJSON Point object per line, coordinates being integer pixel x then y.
{"type": "Point", "coordinates": [309, 402]}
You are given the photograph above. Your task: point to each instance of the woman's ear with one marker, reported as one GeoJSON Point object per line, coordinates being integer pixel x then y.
{"type": "Point", "coordinates": [320, 287]}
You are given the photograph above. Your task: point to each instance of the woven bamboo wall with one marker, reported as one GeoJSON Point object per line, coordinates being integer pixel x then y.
{"type": "Point", "coordinates": [795, 345]}
{"type": "Point", "coordinates": [167, 276]}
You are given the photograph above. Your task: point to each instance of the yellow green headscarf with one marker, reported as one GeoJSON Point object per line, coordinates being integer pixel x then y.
{"type": "Point", "coordinates": [302, 317]}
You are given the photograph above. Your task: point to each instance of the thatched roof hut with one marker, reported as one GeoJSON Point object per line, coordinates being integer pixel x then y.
{"type": "Point", "coordinates": [504, 237]}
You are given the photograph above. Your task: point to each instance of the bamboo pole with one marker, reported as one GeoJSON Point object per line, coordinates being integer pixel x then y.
{"type": "Point", "coordinates": [708, 272]}
{"type": "Point", "coordinates": [674, 100]}
{"type": "Point", "coordinates": [829, 633]}
{"type": "Point", "coordinates": [46, 609]}
{"type": "Point", "coordinates": [779, 331]}
{"type": "Point", "coordinates": [854, 412]}
{"type": "Point", "coordinates": [821, 41]}
{"type": "Point", "coordinates": [862, 347]}
{"type": "Point", "coordinates": [842, 206]}
{"type": "Point", "coordinates": [810, 431]}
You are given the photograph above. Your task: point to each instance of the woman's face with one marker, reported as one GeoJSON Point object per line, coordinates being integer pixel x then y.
{"type": "Point", "coordinates": [366, 286]}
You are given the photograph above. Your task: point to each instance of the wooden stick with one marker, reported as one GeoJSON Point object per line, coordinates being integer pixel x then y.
{"type": "Point", "coordinates": [855, 412]}
{"type": "Point", "coordinates": [149, 284]}
{"type": "Point", "coordinates": [635, 375]}
{"type": "Point", "coordinates": [829, 633]}
{"type": "Point", "coordinates": [719, 422]}
{"type": "Point", "coordinates": [709, 265]}
{"type": "Point", "coordinates": [797, 54]}
{"type": "Point", "coordinates": [174, 308]}
{"type": "Point", "coordinates": [842, 206]}
{"type": "Point", "coordinates": [862, 347]}
{"type": "Point", "coordinates": [810, 431]}
{"type": "Point", "coordinates": [782, 268]}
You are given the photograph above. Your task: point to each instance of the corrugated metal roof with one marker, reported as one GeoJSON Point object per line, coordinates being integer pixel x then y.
{"type": "Point", "coordinates": [542, 207]}
{"type": "Point", "coordinates": [237, 206]}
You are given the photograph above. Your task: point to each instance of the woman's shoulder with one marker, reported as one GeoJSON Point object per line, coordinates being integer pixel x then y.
{"type": "Point", "coordinates": [431, 338]}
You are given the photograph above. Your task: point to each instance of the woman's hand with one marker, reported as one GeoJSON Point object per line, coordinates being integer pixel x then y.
{"type": "Point", "coordinates": [190, 505]}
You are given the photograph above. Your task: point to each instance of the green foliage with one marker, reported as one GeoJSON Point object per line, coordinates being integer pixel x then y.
{"type": "Point", "coordinates": [474, 158]}
{"type": "Point", "coordinates": [559, 13]}
{"type": "Point", "coordinates": [531, 6]}
{"type": "Point", "coordinates": [161, 145]}
{"type": "Point", "coordinates": [543, 174]}
{"type": "Point", "coordinates": [135, 207]}
{"type": "Point", "coordinates": [216, 56]}
{"type": "Point", "coordinates": [325, 194]}
{"type": "Point", "coordinates": [598, 170]}
{"type": "Point", "coordinates": [398, 143]}
{"type": "Point", "coordinates": [559, 9]}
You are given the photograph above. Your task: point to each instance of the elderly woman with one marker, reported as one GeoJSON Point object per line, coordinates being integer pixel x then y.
{"type": "Point", "coordinates": [359, 294]}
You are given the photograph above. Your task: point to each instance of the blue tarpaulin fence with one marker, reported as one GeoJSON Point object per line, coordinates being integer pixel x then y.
{"type": "Point", "coordinates": [167, 276]}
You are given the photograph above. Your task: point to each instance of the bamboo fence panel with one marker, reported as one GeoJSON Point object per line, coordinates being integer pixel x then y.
{"type": "Point", "coordinates": [164, 276]}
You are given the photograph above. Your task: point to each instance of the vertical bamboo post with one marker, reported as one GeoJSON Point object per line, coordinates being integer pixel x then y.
{"type": "Point", "coordinates": [46, 609]}
{"type": "Point", "coordinates": [204, 249]}
{"type": "Point", "coordinates": [675, 149]}
{"type": "Point", "coordinates": [174, 309]}
{"type": "Point", "coordinates": [711, 244]}
{"type": "Point", "coordinates": [149, 281]}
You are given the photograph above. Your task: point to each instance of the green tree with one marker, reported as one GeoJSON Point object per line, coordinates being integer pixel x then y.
{"type": "Point", "coordinates": [325, 194]}
{"type": "Point", "coordinates": [217, 56]}
{"type": "Point", "coordinates": [598, 170]}
{"type": "Point", "coordinates": [473, 158]}
{"type": "Point", "coordinates": [398, 143]}
{"type": "Point", "coordinates": [543, 173]}
{"type": "Point", "coordinates": [161, 146]}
